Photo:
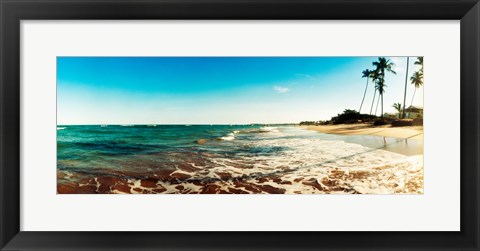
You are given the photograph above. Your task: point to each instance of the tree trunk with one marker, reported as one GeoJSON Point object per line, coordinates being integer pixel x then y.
{"type": "Point", "coordinates": [411, 103]}
{"type": "Point", "coordinates": [378, 102]}
{"type": "Point", "coordinates": [405, 93]}
{"type": "Point", "coordinates": [373, 101]}
{"type": "Point", "coordinates": [364, 94]}
{"type": "Point", "coordinates": [381, 115]}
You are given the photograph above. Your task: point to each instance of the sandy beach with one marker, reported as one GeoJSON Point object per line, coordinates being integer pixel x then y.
{"type": "Point", "coordinates": [407, 132]}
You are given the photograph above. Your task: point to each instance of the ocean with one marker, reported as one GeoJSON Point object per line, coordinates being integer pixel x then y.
{"type": "Point", "coordinates": [234, 159]}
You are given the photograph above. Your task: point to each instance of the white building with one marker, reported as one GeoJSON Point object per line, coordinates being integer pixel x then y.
{"type": "Point", "coordinates": [414, 112]}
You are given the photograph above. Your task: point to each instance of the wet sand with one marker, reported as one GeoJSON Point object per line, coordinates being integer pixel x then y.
{"type": "Point", "coordinates": [407, 132]}
{"type": "Point", "coordinates": [404, 140]}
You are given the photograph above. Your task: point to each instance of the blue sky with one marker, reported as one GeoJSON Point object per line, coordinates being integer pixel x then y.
{"type": "Point", "coordinates": [218, 90]}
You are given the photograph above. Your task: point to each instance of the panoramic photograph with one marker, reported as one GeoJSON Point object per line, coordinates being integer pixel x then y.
{"type": "Point", "coordinates": [240, 125]}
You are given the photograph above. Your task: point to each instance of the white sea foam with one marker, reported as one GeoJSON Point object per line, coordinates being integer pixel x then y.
{"type": "Point", "coordinates": [230, 136]}
{"type": "Point", "coordinates": [334, 166]}
{"type": "Point", "coordinates": [61, 128]}
{"type": "Point", "coordinates": [269, 129]}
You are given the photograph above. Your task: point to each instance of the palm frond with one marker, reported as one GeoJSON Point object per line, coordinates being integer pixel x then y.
{"type": "Point", "coordinates": [417, 79]}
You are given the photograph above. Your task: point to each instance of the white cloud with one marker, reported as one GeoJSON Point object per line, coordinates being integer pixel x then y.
{"type": "Point", "coordinates": [281, 89]}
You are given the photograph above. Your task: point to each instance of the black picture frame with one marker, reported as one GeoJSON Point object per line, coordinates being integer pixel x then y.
{"type": "Point", "coordinates": [13, 11]}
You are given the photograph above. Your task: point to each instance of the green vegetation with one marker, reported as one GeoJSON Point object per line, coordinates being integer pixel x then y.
{"type": "Point", "coordinates": [347, 117]}
{"type": "Point", "coordinates": [314, 123]}
{"type": "Point", "coordinates": [420, 62]}
{"type": "Point", "coordinates": [351, 116]}
{"type": "Point", "coordinates": [398, 107]}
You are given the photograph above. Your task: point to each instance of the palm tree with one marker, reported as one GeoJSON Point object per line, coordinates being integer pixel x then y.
{"type": "Point", "coordinates": [405, 93]}
{"type": "Point", "coordinates": [417, 77]}
{"type": "Point", "coordinates": [417, 80]}
{"type": "Point", "coordinates": [376, 107]}
{"type": "Point", "coordinates": [380, 89]}
{"type": "Point", "coordinates": [420, 62]}
{"type": "Point", "coordinates": [366, 74]}
{"type": "Point", "coordinates": [383, 65]}
{"type": "Point", "coordinates": [374, 77]}
{"type": "Point", "coordinates": [398, 107]}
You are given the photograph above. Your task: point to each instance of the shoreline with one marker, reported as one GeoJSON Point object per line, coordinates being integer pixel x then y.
{"type": "Point", "coordinates": [407, 132]}
{"type": "Point", "coordinates": [403, 140]}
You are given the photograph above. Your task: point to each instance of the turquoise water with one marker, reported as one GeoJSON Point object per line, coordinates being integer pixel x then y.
{"type": "Point", "coordinates": [95, 146]}
{"type": "Point", "coordinates": [217, 158]}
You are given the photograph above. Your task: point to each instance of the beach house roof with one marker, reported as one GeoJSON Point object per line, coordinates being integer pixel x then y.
{"type": "Point", "coordinates": [414, 109]}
